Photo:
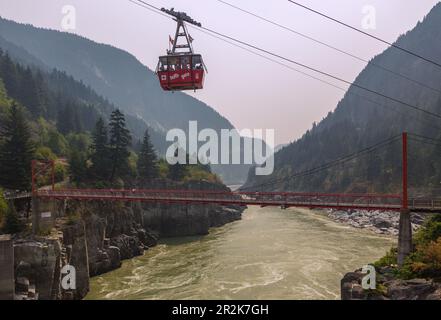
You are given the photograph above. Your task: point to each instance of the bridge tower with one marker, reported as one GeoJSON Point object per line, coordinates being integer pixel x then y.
{"type": "Point", "coordinates": [40, 168]}
{"type": "Point", "coordinates": [405, 228]}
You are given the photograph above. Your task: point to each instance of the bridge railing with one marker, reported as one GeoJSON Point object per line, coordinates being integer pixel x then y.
{"type": "Point", "coordinates": [225, 197]}
{"type": "Point", "coordinates": [430, 204]}
{"type": "Point", "coordinates": [328, 200]}
{"type": "Point", "coordinates": [11, 195]}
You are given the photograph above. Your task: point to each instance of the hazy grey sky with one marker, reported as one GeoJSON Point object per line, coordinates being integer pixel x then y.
{"type": "Point", "coordinates": [249, 91]}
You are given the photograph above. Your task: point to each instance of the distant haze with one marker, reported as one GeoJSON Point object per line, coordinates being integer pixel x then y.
{"type": "Point", "coordinates": [249, 91]}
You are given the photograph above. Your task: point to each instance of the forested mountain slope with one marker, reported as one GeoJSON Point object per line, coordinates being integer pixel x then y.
{"type": "Point", "coordinates": [49, 115]}
{"type": "Point", "coordinates": [357, 123]}
{"type": "Point", "coordinates": [120, 78]}
{"type": "Point", "coordinates": [112, 73]}
{"type": "Point", "coordinates": [54, 95]}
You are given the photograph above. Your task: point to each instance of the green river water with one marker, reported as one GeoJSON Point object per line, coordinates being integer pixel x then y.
{"type": "Point", "coordinates": [269, 254]}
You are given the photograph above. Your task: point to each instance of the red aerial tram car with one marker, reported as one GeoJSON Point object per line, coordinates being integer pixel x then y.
{"type": "Point", "coordinates": [181, 69]}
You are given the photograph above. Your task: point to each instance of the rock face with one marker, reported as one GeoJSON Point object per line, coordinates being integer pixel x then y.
{"type": "Point", "coordinates": [391, 289]}
{"type": "Point", "coordinates": [415, 289]}
{"type": "Point", "coordinates": [75, 241]}
{"type": "Point", "coordinates": [101, 235]}
{"type": "Point", "coordinates": [37, 265]}
{"type": "Point", "coordinates": [177, 221]}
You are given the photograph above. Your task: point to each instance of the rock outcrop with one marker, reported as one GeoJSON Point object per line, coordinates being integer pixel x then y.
{"type": "Point", "coordinates": [388, 287]}
{"type": "Point", "coordinates": [37, 266]}
{"type": "Point", "coordinates": [386, 223]}
{"type": "Point", "coordinates": [76, 243]}
{"type": "Point", "coordinates": [97, 236]}
{"type": "Point", "coordinates": [178, 221]}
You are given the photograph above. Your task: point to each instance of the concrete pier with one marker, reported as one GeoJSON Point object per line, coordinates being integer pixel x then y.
{"type": "Point", "coordinates": [7, 286]}
{"type": "Point", "coordinates": [404, 236]}
{"type": "Point", "coordinates": [35, 215]}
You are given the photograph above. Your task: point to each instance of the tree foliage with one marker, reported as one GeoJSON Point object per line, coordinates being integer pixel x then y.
{"type": "Point", "coordinates": [100, 156]}
{"type": "Point", "coordinates": [16, 151]}
{"type": "Point", "coordinates": [120, 141]}
{"type": "Point", "coordinates": [147, 161]}
{"type": "Point", "coordinates": [12, 222]}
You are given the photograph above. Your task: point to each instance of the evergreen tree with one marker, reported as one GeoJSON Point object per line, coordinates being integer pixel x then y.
{"type": "Point", "coordinates": [177, 171]}
{"type": "Point", "coordinates": [12, 222]}
{"type": "Point", "coordinates": [16, 151]}
{"type": "Point", "coordinates": [78, 127]}
{"type": "Point", "coordinates": [65, 119]}
{"type": "Point", "coordinates": [42, 92]}
{"type": "Point", "coordinates": [100, 151]}
{"type": "Point", "coordinates": [147, 160]}
{"type": "Point", "coordinates": [8, 72]}
{"type": "Point", "coordinates": [29, 93]}
{"type": "Point", "coordinates": [120, 141]}
{"type": "Point", "coordinates": [77, 166]}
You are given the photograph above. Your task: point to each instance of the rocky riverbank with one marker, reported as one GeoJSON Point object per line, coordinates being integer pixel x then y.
{"type": "Point", "coordinates": [95, 237]}
{"type": "Point", "coordinates": [388, 287]}
{"type": "Point", "coordinates": [380, 222]}
{"type": "Point", "coordinates": [390, 280]}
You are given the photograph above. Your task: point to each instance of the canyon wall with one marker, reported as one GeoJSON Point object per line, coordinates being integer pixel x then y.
{"type": "Point", "coordinates": [95, 237]}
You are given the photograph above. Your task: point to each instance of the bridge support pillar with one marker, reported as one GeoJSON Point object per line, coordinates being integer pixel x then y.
{"type": "Point", "coordinates": [35, 215]}
{"type": "Point", "coordinates": [404, 236]}
{"type": "Point", "coordinates": [7, 286]}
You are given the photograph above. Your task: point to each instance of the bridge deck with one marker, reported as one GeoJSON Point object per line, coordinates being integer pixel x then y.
{"type": "Point", "coordinates": [380, 202]}
{"type": "Point", "coordinates": [282, 199]}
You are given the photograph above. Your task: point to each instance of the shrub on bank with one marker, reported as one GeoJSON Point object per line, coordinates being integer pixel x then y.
{"type": "Point", "coordinates": [425, 260]}
{"type": "Point", "coordinates": [389, 259]}
{"type": "Point", "coordinates": [3, 208]}
{"type": "Point", "coordinates": [430, 232]}
{"type": "Point", "coordinates": [12, 223]}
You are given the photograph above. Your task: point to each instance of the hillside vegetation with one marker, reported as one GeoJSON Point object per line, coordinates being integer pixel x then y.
{"type": "Point", "coordinates": [49, 115]}
{"type": "Point", "coordinates": [357, 123]}
{"type": "Point", "coordinates": [120, 78]}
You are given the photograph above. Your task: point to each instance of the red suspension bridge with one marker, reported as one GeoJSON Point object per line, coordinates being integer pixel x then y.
{"type": "Point", "coordinates": [389, 202]}
{"type": "Point", "coordinates": [382, 202]}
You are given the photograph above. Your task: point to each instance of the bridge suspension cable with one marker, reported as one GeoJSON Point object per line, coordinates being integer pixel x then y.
{"type": "Point", "coordinates": [330, 164]}
{"type": "Point", "coordinates": [408, 105]}
{"type": "Point", "coordinates": [303, 35]}
{"type": "Point", "coordinates": [365, 33]}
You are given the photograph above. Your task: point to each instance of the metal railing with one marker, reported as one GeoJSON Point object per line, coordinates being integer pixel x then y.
{"type": "Point", "coordinates": [284, 199]}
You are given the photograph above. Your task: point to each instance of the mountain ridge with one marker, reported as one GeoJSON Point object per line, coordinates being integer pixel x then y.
{"type": "Point", "coordinates": [67, 55]}
{"type": "Point", "coordinates": [356, 123]}
{"type": "Point", "coordinates": [119, 77]}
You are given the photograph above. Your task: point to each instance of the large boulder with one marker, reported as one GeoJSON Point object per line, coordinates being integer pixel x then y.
{"type": "Point", "coordinates": [415, 289]}
{"type": "Point", "coordinates": [388, 287]}
{"type": "Point", "coordinates": [129, 246]}
{"type": "Point", "coordinates": [382, 223]}
{"type": "Point", "coordinates": [351, 288]}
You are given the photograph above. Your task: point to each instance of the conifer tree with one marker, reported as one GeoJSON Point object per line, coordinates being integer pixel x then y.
{"type": "Point", "coordinates": [29, 94]}
{"type": "Point", "coordinates": [77, 166]}
{"type": "Point", "coordinates": [8, 73]}
{"type": "Point", "coordinates": [178, 171]}
{"type": "Point", "coordinates": [147, 160]}
{"type": "Point", "coordinates": [120, 141]}
{"type": "Point", "coordinates": [12, 222]}
{"type": "Point", "coordinates": [100, 151]}
{"type": "Point", "coordinates": [16, 151]}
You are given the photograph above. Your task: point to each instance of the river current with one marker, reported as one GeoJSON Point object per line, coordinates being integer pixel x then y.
{"type": "Point", "coordinates": [269, 254]}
